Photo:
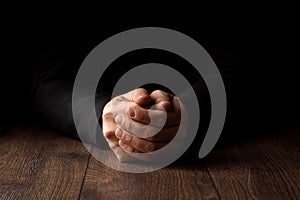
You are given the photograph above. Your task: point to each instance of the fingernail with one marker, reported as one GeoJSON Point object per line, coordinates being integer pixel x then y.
{"type": "Point", "coordinates": [131, 112]}
{"type": "Point", "coordinates": [119, 119]}
{"type": "Point", "coordinates": [119, 133]}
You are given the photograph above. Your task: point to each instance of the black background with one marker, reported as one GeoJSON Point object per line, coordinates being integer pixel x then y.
{"type": "Point", "coordinates": [266, 45]}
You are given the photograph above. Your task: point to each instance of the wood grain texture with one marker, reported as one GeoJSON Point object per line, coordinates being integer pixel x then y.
{"type": "Point", "coordinates": [266, 167]}
{"type": "Point", "coordinates": [36, 163]}
{"type": "Point", "coordinates": [183, 181]}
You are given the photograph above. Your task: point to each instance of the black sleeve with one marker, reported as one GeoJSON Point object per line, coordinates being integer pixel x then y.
{"type": "Point", "coordinates": [52, 91]}
{"type": "Point", "coordinates": [58, 66]}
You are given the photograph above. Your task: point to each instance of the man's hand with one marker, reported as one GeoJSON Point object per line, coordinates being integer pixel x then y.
{"type": "Point", "coordinates": [126, 120]}
{"type": "Point", "coordinates": [118, 105]}
{"type": "Point", "coordinates": [132, 131]}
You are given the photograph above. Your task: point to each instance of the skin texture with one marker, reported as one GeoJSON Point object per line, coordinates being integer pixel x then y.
{"type": "Point", "coordinates": [125, 118]}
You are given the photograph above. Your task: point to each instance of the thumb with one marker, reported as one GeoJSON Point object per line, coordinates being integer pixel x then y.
{"type": "Point", "coordinates": [162, 100]}
{"type": "Point", "coordinates": [140, 96]}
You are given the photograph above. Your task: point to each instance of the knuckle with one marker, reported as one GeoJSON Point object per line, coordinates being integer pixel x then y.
{"type": "Point", "coordinates": [142, 116]}
{"type": "Point", "coordinates": [127, 138]}
{"type": "Point", "coordinates": [130, 149]}
{"type": "Point", "coordinates": [150, 147]}
{"type": "Point", "coordinates": [108, 134]}
{"type": "Point", "coordinates": [151, 139]}
{"type": "Point", "coordinates": [157, 92]}
{"type": "Point", "coordinates": [107, 116]}
{"type": "Point", "coordinates": [133, 107]}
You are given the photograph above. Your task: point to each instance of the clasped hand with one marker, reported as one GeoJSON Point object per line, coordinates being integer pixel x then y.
{"type": "Point", "coordinates": [138, 122]}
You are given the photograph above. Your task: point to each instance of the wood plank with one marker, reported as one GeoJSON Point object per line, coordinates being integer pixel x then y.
{"type": "Point", "coordinates": [180, 181]}
{"type": "Point", "coordinates": [36, 163]}
{"type": "Point", "coordinates": [266, 167]}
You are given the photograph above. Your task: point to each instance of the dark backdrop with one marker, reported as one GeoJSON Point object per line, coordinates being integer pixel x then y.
{"type": "Point", "coordinates": [267, 51]}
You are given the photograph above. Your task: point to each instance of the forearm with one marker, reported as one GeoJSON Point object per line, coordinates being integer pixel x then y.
{"type": "Point", "coordinates": [53, 102]}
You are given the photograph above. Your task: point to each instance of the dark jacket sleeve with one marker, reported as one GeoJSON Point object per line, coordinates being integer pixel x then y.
{"type": "Point", "coordinates": [52, 91]}
{"type": "Point", "coordinates": [58, 66]}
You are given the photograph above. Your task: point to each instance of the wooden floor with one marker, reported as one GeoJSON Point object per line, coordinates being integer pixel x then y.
{"type": "Point", "coordinates": [36, 163]}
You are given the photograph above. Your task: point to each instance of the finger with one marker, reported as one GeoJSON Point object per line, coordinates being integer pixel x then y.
{"type": "Point", "coordinates": [162, 100]}
{"type": "Point", "coordinates": [118, 106]}
{"type": "Point", "coordinates": [176, 104]}
{"type": "Point", "coordinates": [174, 117]}
{"type": "Point", "coordinates": [138, 113]}
{"type": "Point", "coordinates": [136, 128]}
{"type": "Point", "coordinates": [127, 148]}
{"type": "Point", "coordinates": [109, 126]}
{"type": "Point", "coordinates": [141, 97]}
{"type": "Point", "coordinates": [165, 135]}
{"type": "Point", "coordinates": [156, 118]}
{"type": "Point", "coordinates": [134, 142]}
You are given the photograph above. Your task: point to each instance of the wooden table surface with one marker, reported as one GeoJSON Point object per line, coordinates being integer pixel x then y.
{"type": "Point", "coordinates": [37, 163]}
